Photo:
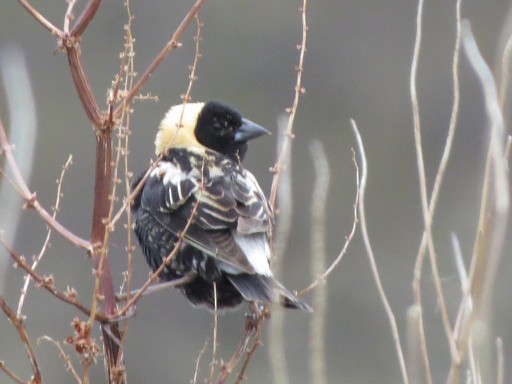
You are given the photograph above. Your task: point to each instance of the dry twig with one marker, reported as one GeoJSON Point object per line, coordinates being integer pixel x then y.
{"type": "Point", "coordinates": [65, 357]}
{"type": "Point", "coordinates": [48, 283]}
{"type": "Point", "coordinates": [299, 90]}
{"type": "Point", "coordinates": [427, 219]}
{"type": "Point", "coordinates": [17, 323]}
{"type": "Point", "coordinates": [46, 240]}
{"type": "Point", "coordinates": [31, 199]}
{"type": "Point", "coordinates": [11, 374]}
{"type": "Point", "coordinates": [373, 264]}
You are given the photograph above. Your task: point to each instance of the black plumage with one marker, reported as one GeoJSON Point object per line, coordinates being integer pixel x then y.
{"type": "Point", "coordinates": [200, 178]}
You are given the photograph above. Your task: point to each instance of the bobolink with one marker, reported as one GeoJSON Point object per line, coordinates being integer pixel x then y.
{"type": "Point", "coordinates": [200, 178]}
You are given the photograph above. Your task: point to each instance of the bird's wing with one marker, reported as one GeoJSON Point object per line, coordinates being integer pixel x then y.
{"type": "Point", "coordinates": [231, 214]}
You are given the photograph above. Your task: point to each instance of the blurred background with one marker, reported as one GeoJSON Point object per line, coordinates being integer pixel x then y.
{"type": "Point", "coordinates": [357, 66]}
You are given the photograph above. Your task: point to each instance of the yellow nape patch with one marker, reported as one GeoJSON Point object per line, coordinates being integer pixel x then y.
{"type": "Point", "coordinates": [172, 134]}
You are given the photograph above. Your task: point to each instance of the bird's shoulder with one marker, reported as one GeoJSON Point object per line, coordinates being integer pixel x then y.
{"type": "Point", "coordinates": [227, 194]}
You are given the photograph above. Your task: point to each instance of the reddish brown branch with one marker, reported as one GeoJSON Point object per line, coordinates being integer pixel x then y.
{"type": "Point", "coordinates": [45, 23]}
{"type": "Point", "coordinates": [171, 44]}
{"type": "Point", "coordinates": [36, 379]}
{"type": "Point", "coordinates": [250, 353]}
{"type": "Point", "coordinates": [104, 290]}
{"type": "Point", "coordinates": [231, 364]}
{"type": "Point", "coordinates": [252, 329]}
{"type": "Point", "coordinates": [11, 374]}
{"type": "Point", "coordinates": [48, 284]}
{"type": "Point", "coordinates": [299, 90]}
{"type": "Point", "coordinates": [81, 82]}
{"type": "Point", "coordinates": [85, 18]}
{"type": "Point", "coordinates": [30, 197]}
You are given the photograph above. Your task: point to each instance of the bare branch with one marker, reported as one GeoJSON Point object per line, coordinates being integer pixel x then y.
{"type": "Point", "coordinates": [348, 238]}
{"type": "Point", "coordinates": [39, 17]}
{"type": "Point", "coordinates": [299, 90]}
{"type": "Point", "coordinates": [171, 44]}
{"type": "Point", "coordinates": [252, 329]}
{"type": "Point", "coordinates": [427, 219]}
{"type": "Point", "coordinates": [36, 379]}
{"type": "Point", "coordinates": [11, 374]}
{"type": "Point", "coordinates": [83, 88]}
{"type": "Point", "coordinates": [46, 240]}
{"type": "Point", "coordinates": [256, 343]}
{"type": "Point", "coordinates": [198, 360]}
{"type": "Point", "coordinates": [213, 363]}
{"type": "Point", "coordinates": [47, 283]}
{"type": "Point", "coordinates": [68, 16]}
{"type": "Point", "coordinates": [31, 200]}
{"type": "Point", "coordinates": [373, 264]}
{"type": "Point", "coordinates": [65, 357]}
{"type": "Point", "coordinates": [85, 18]}
{"type": "Point", "coordinates": [495, 206]}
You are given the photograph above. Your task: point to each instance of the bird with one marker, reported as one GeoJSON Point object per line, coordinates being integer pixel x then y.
{"type": "Point", "coordinates": [198, 191]}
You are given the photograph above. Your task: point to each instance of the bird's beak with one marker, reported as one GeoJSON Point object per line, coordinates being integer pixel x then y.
{"type": "Point", "coordinates": [249, 130]}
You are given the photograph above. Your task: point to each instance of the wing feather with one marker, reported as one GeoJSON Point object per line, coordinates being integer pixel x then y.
{"type": "Point", "coordinates": [230, 206]}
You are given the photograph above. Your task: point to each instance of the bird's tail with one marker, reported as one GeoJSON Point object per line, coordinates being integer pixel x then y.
{"type": "Point", "coordinates": [266, 289]}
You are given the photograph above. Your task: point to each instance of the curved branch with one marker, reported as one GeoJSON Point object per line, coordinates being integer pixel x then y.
{"type": "Point", "coordinates": [43, 20]}
{"type": "Point", "coordinates": [171, 44]}
{"type": "Point", "coordinates": [85, 18]}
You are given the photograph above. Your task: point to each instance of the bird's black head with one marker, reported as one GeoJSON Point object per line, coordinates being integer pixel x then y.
{"type": "Point", "coordinates": [223, 129]}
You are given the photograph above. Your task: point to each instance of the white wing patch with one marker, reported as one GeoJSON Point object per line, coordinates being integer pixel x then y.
{"type": "Point", "coordinates": [257, 251]}
{"type": "Point", "coordinates": [178, 183]}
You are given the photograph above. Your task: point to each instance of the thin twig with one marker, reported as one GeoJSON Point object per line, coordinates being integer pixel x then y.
{"type": "Point", "coordinates": [466, 306]}
{"type": "Point", "coordinates": [495, 204]}
{"type": "Point", "coordinates": [193, 68]}
{"type": "Point", "coordinates": [47, 283]}
{"type": "Point", "coordinates": [299, 90]}
{"type": "Point", "coordinates": [65, 357]}
{"type": "Point", "coordinates": [46, 240]}
{"type": "Point", "coordinates": [22, 333]}
{"type": "Point", "coordinates": [213, 363]}
{"type": "Point", "coordinates": [228, 367]}
{"type": "Point", "coordinates": [198, 360]}
{"type": "Point", "coordinates": [171, 44]}
{"type": "Point", "coordinates": [186, 98]}
{"type": "Point", "coordinates": [437, 185]}
{"type": "Point", "coordinates": [129, 74]}
{"type": "Point", "coordinates": [318, 209]}
{"type": "Point", "coordinates": [256, 343]}
{"type": "Point", "coordinates": [371, 257]}
{"type": "Point", "coordinates": [11, 374]}
{"type": "Point", "coordinates": [31, 200]}
{"type": "Point", "coordinates": [348, 238]}
{"type": "Point", "coordinates": [68, 16]}
{"type": "Point", "coordinates": [427, 220]}
{"type": "Point", "coordinates": [39, 17]}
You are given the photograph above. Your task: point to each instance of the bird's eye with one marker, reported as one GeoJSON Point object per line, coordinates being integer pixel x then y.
{"type": "Point", "coordinates": [217, 126]}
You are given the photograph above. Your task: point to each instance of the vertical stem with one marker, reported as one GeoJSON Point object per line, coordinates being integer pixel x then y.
{"type": "Point", "coordinates": [104, 294]}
